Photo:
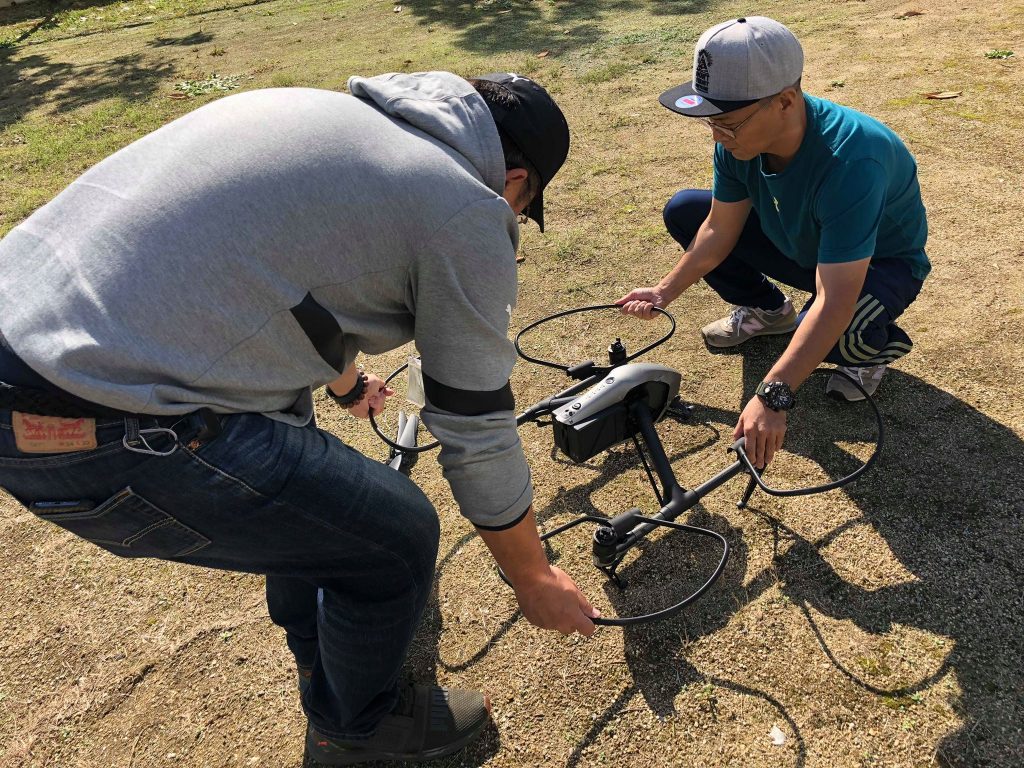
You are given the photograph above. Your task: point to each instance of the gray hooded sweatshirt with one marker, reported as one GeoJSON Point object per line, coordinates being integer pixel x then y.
{"type": "Point", "coordinates": [246, 252]}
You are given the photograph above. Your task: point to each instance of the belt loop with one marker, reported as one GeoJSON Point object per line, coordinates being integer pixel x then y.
{"type": "Point", "coordinates": [209, 425]}
{"type": "Point", "coordinates": [131, 432]}
{"type": "Point", "coordinates": [134, 437]}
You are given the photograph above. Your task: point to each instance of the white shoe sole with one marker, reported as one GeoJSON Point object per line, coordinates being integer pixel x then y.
{"type": "Point", "coordinates": [777, 332]}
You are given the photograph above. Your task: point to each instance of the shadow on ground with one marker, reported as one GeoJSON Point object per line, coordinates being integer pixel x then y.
{"type": "Point", "coordinates": [947, 501]}
{"type": "Point", "coordinates": [32, 76]}
{"type": "Point", "coordinates": [945, 497]}
{"type": "Point", "coordinates": [29, 80]}
{"type": "Point", "coordinates": [509, 25]}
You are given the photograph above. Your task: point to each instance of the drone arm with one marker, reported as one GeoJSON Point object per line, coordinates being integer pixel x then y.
{"type": "Point", "coordinates": [679, 503]}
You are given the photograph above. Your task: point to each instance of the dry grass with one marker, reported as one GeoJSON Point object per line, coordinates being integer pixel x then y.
{"type": "Point", "coordinates": [880, 625]}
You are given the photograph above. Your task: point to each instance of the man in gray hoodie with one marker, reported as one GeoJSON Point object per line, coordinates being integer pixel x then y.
{"type": "Point", "coordinates": [166, 317]}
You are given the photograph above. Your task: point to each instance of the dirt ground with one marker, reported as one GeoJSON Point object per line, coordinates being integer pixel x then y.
{"type": "Point", "coordinates": [879, 625]}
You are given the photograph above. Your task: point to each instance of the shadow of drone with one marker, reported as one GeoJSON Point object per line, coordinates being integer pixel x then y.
{"type": "Point", "coordinates": [945, 499]}
{"type": "Point", "coordinates": [655, 653]}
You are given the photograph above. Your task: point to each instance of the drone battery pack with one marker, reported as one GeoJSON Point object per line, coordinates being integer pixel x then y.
{"type": "Point", "coordinates": [588, 438]}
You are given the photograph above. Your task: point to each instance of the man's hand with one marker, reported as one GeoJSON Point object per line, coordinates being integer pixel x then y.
{"type": "Point", "coordinates": [764, 430]}
{"type": "Point", "coordinates": [640, 302]}
{"type": "Point", "coordinates": [547, 597]}
{"type": "Point", "coordinates": [550, 600]}
{"type": "Point", "coordinates": [373, 401]}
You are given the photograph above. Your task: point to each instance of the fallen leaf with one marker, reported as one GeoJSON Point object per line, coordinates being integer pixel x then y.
{"type": "Point", "coordinates": [542, 54]}
{"type": "Point", "coordinates": [778, 737]}
{"type": "Point", "coordinates": [908, 14]}
{"type": "Point", "coordinates": [942, 94]}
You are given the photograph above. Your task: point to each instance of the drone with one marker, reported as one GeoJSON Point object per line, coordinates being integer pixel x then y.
{"type": "Point", "coordinates": [611, 404]}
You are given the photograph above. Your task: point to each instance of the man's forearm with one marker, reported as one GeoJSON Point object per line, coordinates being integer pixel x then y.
{"type": "Point", "coordinates": [547, 597]}
{"type": "Point", "coordinates": [344, 383]}
{"type": "Point", "coordinates": [706, 251]}
{"type": "Point", "coordinates": [817, 334]}
{"type": "Point", "coordinates": [518, 550]}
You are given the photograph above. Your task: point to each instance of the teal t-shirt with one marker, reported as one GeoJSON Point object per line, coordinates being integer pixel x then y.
{"type": "Point", "coordinates": [849, 193]}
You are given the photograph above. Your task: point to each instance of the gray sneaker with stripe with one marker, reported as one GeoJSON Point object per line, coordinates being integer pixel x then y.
{"type": "Point", "coordinates": [868, 376]}
{"type": "Point", "coordinates": [747, 322]}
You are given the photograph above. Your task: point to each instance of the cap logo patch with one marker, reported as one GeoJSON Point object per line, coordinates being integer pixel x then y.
{"type": "Point", "coordinates": [701, 73]}
{"type": "Point", "coordinates": [689, 102]}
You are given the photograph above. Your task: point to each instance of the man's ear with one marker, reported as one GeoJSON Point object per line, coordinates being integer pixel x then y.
{"type": "Point", "coordinates": [517, 189]}
{"type": "Point", "coordinates": [789, 97]}
{"type": "Point", "coordinates": [515, 174]}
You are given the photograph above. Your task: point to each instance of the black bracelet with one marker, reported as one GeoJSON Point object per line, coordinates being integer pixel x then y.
{"type": "Point", "coordinates": [354, 396]}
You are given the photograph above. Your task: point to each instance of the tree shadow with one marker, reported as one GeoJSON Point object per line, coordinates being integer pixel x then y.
{"type": "Point", "coordinates": [129, 77]}
{"type": "Point", "coordinates": [32, 77]}
{"type": "Point", "coordinates": [29, 12]}
{"type": "Point", "coordinates": [30, 80]}
{"type": "Point", "coordinates": [502, 26]}
{"type": "Point", "coordinates": [196, 38]}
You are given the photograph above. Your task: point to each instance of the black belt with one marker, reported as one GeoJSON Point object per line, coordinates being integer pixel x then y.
{"type": "Point", "coordinates": [24, 390]}
{"type": "Point", "coordinates": [43, 402]}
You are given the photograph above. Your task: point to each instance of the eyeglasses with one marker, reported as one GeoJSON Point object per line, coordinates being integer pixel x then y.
{"type": "Point", "coordinates": [730, 133]}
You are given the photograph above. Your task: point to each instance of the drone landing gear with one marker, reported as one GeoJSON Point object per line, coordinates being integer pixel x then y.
{"type": "Point", "coordinates": [616, 536]}
{"type": "Point", "coordinates": [622, 401]}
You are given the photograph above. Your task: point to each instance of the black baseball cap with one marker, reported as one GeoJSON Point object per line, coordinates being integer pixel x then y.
{"type": "Point", "coordinates": [536, 126]}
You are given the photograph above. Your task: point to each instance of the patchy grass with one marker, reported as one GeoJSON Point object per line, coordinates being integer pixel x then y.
{"type": "Point", "coordinates": [880, 625]}
{"type": "Point", "coordinates": [208, 85]}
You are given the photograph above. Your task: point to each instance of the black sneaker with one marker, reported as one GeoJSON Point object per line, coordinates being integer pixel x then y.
{"type": "Point", "coordinates": [428, 722]}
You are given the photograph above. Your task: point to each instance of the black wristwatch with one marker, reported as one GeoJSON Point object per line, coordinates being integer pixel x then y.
{"type": "Point", "coordinates": [776, 395]}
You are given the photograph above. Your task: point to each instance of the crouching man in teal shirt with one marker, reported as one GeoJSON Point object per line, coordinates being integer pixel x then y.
{"type": "Point", "coordinates": [809, 193]}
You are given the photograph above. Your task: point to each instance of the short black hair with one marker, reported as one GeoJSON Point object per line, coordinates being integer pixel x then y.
{"type": "Point", "coordinates": [495, 93]}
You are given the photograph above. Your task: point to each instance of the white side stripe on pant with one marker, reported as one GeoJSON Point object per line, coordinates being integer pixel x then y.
{"type": "Point", "coordinates": [851, 344]}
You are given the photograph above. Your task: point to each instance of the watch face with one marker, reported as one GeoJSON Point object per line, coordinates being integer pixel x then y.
{"type": "Point", "coordinates": [783, 399]}
{"type": "Point", "coordinates": [777, 395]}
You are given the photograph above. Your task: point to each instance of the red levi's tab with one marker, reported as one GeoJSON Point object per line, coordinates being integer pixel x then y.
{"type": "Point", "coordinates": [52, 434]}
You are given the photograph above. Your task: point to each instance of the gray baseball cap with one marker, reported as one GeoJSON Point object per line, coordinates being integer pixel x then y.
{"type": "Point", "coordinates": [735, 64]}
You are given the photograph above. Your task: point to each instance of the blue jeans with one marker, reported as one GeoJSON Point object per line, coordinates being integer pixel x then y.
{"type": "Point", "coordinates": [348, 545]}
{"type": "Point", "coordinates": [889, 287]}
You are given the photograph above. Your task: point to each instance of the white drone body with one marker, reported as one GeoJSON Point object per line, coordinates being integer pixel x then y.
{"type": "Point", "coordinates": [614, 388]}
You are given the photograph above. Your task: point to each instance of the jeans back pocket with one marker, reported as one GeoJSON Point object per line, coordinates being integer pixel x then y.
{"type": "Point", "coordinates": [128, 525]}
